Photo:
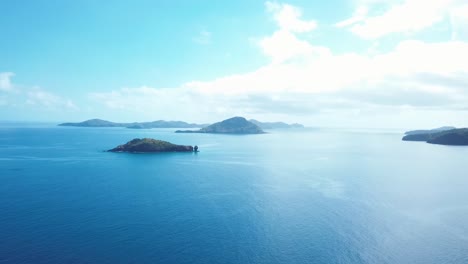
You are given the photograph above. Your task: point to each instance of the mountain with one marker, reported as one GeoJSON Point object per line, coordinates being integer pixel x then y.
{"type": "Point", "coordinates": [453, 137]}
{"type": "Point", "coordinates": [147, 145]}
{"type": "Point", "coordinates": [235, 125]}
{"type": "Point", "coordinates": [275, 125]}
{"type": "Point", "coordinates": [135, 125]}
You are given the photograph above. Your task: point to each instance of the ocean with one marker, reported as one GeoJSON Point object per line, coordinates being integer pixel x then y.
{"type": "Point", "coordinates": [289, 196]}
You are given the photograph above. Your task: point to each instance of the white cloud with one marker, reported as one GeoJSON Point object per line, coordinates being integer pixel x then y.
{"type": "Point", "coordinates": [406, 16]}
{"type": "Point", "coordinates": [359, 15]}
{"type": "Point", "coordinates": [288, 17]}
{"type": "Point", "coordinates": [146, 103]}
{"type": "Point", "coordinates": [459, 22]}
{"type": "Point", "coordinates": [414, 75]}
{"type": "Point", "coordinates": [5, 81]}
{"type": "Point", "coordinates": [31, 96]}
{"type": "Point", "coordinates": [284, 44]}
{"type": "Point", "coordinates": [203, 38]}
{"type": "Point", "coordinates": [314, 84]}
{"type": "Point", "coordinates": [47, 100]}
{"type": "Point", "coordinates": [325, 71]}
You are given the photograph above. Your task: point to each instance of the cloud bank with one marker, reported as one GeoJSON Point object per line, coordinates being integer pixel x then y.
{"type": "Point", "coordinates": [310, 82]}
{"type": "Point", "coordinates": [32, 97]}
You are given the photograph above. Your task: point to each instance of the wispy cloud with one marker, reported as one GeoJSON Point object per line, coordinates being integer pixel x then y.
{"type": "Point", "coordinates": [31, 96]}
{"type": "Point", "coordinates": [408, 16]}
{"type": "Point", "coordinates": [43, 99]}
{"type": "Point", "coordinates": [203, 38]}
{"type": "Point", "coordinates": [5, 81]}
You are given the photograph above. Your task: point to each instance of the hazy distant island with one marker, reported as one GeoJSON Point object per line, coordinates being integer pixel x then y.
{"type": "Point", "coordinates": [148, 145]}
{"type": "Point", "coordinates": [171, 124]}
{"type": "Point", "coordinates": [275, 125]}
{"type": "Point", "coordinates": [442, 136]}
{"type": "Point", "coordinates": [235, 125]}
{"type": "Point", "coordinates": [135, 125]}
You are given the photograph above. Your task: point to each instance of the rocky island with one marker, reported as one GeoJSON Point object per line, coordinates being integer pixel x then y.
{"type": "Point", "coordinates": [235, 125]}
{"type": "Point", "coordinates": [149, 145]}
{"type": "Point", "coordinates": [440, 136]}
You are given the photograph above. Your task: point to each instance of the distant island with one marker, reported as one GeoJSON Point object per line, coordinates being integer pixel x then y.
{"type": "Point", "coordinates": [275, 125]}
{"type": "Point", "coordinates": [135, 125]}
{"type": "Point", "coordinates": [429, 131]}
{"type": "Point", "coordinates": [171, 124]}
{"type": "Point", "coordinates": [235, 125]}
{"type": "Point", "coordinates": [441, 136]}
{"type": "Point", "coordinates": [148, 145]}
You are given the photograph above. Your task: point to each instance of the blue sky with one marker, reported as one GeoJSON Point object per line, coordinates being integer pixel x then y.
{"type": "Point", "coordinates": [333, 63]}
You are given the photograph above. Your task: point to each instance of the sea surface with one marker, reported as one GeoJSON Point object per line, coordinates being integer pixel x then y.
{"type": "Point", "coordinates": [290, 196]}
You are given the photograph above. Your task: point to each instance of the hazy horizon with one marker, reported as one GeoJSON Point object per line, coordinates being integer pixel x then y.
{"type": "Point", "coordinates": [306, 126]}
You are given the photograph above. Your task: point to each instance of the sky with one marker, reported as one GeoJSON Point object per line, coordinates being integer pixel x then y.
{"type": "Point", "coordinates": [337, 63]}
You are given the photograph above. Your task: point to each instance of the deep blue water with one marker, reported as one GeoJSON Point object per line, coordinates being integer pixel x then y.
{"type": "Point", "coordinates": [299, 196]}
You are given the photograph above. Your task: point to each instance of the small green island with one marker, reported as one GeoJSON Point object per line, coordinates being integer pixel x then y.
{"type": "Point", "coordinates": [235, 125]}
{"type": "Point", "coordinates": [442, 136]}
{"type": "Point", "coordinates": [149, 145]}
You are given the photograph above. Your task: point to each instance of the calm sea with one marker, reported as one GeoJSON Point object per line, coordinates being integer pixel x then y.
{"type": "Point", "coordinates": [298, 196]}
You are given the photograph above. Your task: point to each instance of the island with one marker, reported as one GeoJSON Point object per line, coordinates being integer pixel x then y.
{"type": "Point", "coordinates": [95, 123]}
{"type": "Point", "coordinates": [149, 145]}
{"type": "Point", "coordinates": [429, 131]}
{"type": "Point", "coordinates": [451, 137]}
{"type": "Point", "coordinates": [275, 125]}
{"type": "Point", "coordinates": [171, 124]}
{"type": "Point", "coordinates": [235, 125]}
{"type": "Point", "coordinates": [135, 125]}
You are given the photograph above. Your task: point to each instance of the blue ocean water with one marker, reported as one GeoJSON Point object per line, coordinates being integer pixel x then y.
{"type": "Point", "coordinates": [297, 196]}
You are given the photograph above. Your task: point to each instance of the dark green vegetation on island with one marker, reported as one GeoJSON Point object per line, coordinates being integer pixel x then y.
{"type": "Point", "coordinates": [275, 125]}
{"type": "Point", "coordinates": [147, 145]}
{"type": "Point", "coordinates": [452, 137]}
{"type": "Point", "coordinates": [135, 125]}
{"type": "Point", "coordinates": [235, 125]}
